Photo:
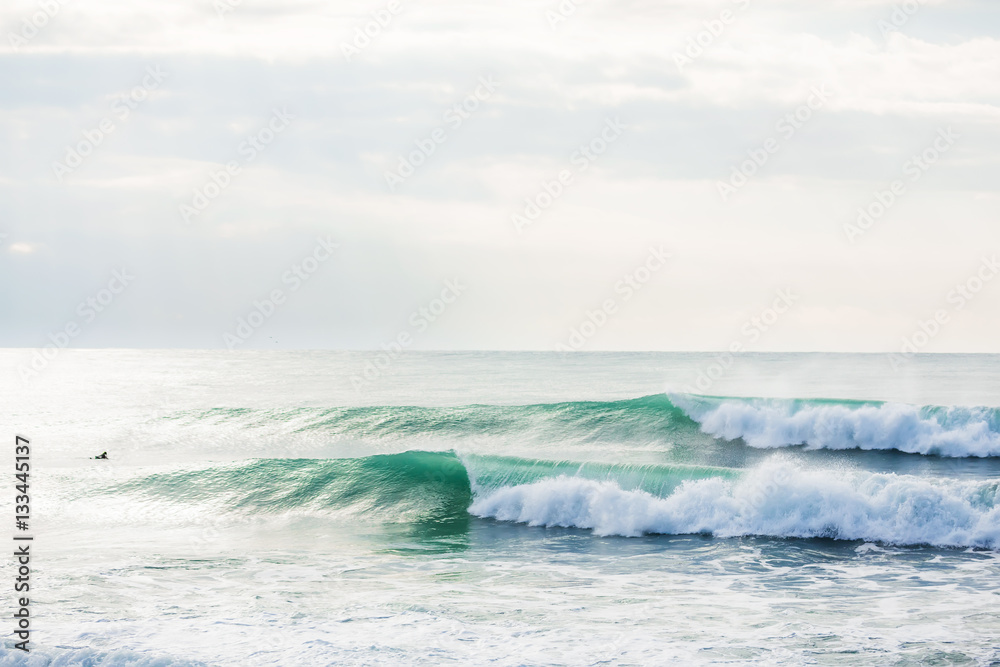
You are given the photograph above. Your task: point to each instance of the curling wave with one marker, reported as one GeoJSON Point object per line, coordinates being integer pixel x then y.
{"type": "Point", "coordinates": [649, 421]}
{"type": "Point", "coordinates": [779, 498]}
{"type": "Point", "coordinates": [825, 424]}
{"type": "Point", "coordinates": [775, 499]}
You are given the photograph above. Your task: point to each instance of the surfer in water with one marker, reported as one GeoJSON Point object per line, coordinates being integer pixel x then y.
{"type": "Point", "coordinates": [102, 456]}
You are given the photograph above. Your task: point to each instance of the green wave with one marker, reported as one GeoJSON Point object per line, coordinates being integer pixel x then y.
{"type": "Point", "coordinates": [693, 428]}
{"type": "Point", "coordinates": [649, 418]}
{"type": "Point", "coordinates": [405, 487]}
{"type": "Point", "coordinates": [488, 473]}
{"type": "Point", "coordinates": [409, 486]}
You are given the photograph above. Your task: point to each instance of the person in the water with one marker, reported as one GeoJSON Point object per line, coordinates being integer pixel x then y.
{"type": "Point", "coordinates": [102, 456]}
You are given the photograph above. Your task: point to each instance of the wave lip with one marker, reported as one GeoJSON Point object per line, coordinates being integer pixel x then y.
{"type": "Point", "coordinates": [817, 424]}
{"type": "Point", "coordinates": [775, 500]}
{"type": "Point", "coordinates": [649, 418]}
{"type": "Point", "coordinates": [645, 421]}
{"type": "Point", "coordinates": [404, 487]}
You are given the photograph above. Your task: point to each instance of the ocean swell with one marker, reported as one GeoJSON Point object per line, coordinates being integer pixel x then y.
{"type": "Point", "coordinates": [770, 423]}
{"type": "Point", "coordinates": [780, 497]}
{"type": "Point", "coordinates": [775, 499]}
{"type": "Point", "coordinates": [656, 420]}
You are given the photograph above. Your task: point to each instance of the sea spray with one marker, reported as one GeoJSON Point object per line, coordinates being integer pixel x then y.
{"type": "Point", "coordinates": [770, 423]}
{"type": "Point", "coordinates": [875, 507]}
{"type": "Point", "coordinates": [780, 497]}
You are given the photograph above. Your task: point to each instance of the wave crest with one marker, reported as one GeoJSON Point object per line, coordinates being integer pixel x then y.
{"type": "Point", "coordinates": [778, 498]}
{"type": "Point", "coordinates": [773, 500]}
{"type": "Point", "coordinates": [770, 423]}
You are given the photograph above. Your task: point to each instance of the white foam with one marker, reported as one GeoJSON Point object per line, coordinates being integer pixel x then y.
{"type": "Point", "coordinates": [86, 657]}
{"type": "Point", "coordinates": [956, 432]}
{"type": "Point", "coordinates": [775, 499]}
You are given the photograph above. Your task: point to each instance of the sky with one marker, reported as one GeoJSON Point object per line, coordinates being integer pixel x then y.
{"type": "Point", "coordinates": [518, 175]}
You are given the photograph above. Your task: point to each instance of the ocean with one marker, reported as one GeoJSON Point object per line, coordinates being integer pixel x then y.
{"type": "Point", "coordinates": [492, 508]}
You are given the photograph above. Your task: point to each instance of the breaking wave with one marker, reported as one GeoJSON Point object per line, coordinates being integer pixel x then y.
{"type": "Point", "coordinates": [775, 499]}
{"type": "Point", "coordinates": [662, 418]}
{"type": "Point", "coordinates": [821, 424]}
{"type": "Point", "coordinates": [778, 498]}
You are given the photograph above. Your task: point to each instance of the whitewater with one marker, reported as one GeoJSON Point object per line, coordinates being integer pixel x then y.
{"type": "Point", "coordinates": [943, 431]}
{"type": "Point", "coordinates": [773, 500]}
{"type": "Point", "coordinates": [511, 508]}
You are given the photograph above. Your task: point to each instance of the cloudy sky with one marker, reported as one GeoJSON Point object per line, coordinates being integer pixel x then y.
{"type": "Point", "coordinates": [519, 170]}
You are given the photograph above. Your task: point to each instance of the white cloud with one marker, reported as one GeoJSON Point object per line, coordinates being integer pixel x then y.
{"type": "Point", "coordinates": [658, 184]}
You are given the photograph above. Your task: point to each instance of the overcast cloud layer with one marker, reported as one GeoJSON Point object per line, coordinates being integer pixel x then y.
{"type": "Point", "coordinates": [183, 86]}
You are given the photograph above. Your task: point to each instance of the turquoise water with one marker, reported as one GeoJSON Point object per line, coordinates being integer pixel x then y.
{"type": "Point", "coordinates": [511, 508]}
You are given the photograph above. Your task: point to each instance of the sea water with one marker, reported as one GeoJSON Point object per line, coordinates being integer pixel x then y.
{"type": "Point", "coordinates": [315, 508]}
